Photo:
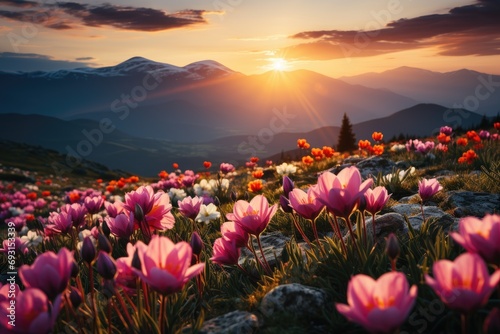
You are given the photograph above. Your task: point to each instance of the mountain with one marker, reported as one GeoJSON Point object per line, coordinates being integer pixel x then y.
{"type": "Point", "coordinates": [198, 102]}
{"type": "Point", "coordinates": [471, 90]}
{"type": "Point", "coordinates": [101, 142]}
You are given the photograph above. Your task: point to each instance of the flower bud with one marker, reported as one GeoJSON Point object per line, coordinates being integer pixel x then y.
{"type": "Point", "coordinates": [88, 250]}
{"type": "Point", "coordinates": [75, 270]}
{"type": "Point", "coordinates": [216, 201]}
{"type": "Point", "coordinates": [196, 243]}
{"type": "Point", "coordinates": [284, 203]}
{"type": "Point", "coordinates": [233, 196]}
{"type": "Point", "coordinates": [138, 214]}
{"type": "Point", "coordinates": [105, 229]}
{"type": "Point", "coordinates": [392, 247]}
{"type": "Point", "coordinates": [75, 297]}
{"type": "Point", "coordinates": [287, 185]}
{"type": "Point", "coordinates": [136, 261]}
{"type": "Point", "coordinates": [103, 243]}
{"type": "Point", "coordinates": [106, 266]}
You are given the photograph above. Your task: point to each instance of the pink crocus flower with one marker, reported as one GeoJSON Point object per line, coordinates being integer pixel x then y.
{"type": "Point", "coordinates": [33, 311]}
{"type": "Point", "coordinates": [232, 231]}
{"type": "Point", "coordinates": [376, 199]}
{"type": "Point", "coordinates": [341, 193]}
{"type": "Point", "coordinates": [446, 130]}
{"type": "Point", "coordinates": [380, 306]}
{"type": "Point", "coordinates": [166, 267]}
{"type": "Point", "coordinates": [189, 207]}
{"type": "Point", "coordinates": [20, 246]}
{"type": "Point", "coordinates": [226, 168]}
{"type": "Point", "coordinates": [225, 252]}
{"type": "Point", "coordinates": [155, 208]}
{"type": "Point", "coordinates": [254, 216]}
{"type": "Point", "coordinates": [93, 204]}
{"type": "Point", "coordinates": [113, 209]}
{"type": "Point", "coordinates": [50, 272]}
{"type": "Point", "coordinates": [122, 225]}
{"type": "Point", "coordinates": [480, 236]}
{"type": "Point", "coordinates": [428, 188]}
{"type": "Point", "coordinates": [463, 284]}
{"type": "Point", "coordinates": [77, 213]}
{"type": "Point", "coordinates": [306, 204]}
{"type": "Point", "coordinates": [59, 223]}
{"type": "Point", "coordinates": [126, 276]}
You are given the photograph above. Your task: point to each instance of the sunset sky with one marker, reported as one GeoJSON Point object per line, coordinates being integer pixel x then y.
{"type": "Point", "coordinates": [332, 37]}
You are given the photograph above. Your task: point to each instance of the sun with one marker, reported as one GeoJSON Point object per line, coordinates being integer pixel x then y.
{"type": "Point", "coordinates": [279, 64]}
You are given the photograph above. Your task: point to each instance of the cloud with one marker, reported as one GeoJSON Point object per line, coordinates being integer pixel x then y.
{"type": "Point", "coordinates": [27, 62]}
{"type": "Point", "coordinates": [68, 15]}
{"type": "Point", "coordinates": [19, 3]}
{"type": "Point", "coordinates": [85, 58]}
{"type": "Point", "coordinates": [468, 30]}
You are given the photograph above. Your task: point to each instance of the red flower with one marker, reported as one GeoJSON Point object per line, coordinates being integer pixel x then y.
{"type": "Point", "coordinates": [377, 136]}
{"type": "Point", "coordinates": [328, 151]}
{"type": "Point", "coordinates": [207, 164]}
{"type": "Point", "coordinates": [163, 174]}
{"type": "Point", "coordinates": [443, 139]}
{"type": "Point", "coordinates": [258, 174]}
{"type": "Point", "coordinates": [497, 125]}
{"type": "Point", "coordinates": [175, 165]}
{"type": "Point", "coordinates": [378, 149]}
{"type": "Point", "coordinates": [364, 145]}
{"type": "Point", "coordinates": [32, 196]}
{"type": "Point", "coordinates": [462, 141]}
{"type": "Point", "coordinates": [317, 153]}
{"type": "Point", "coordinates": [254, 159]}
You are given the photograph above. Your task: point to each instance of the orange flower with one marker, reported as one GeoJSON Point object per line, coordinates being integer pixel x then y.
{"type": "Point", "coordinates": [98, 181]}
{"type": "Point", "coordinates": [48, 182]}
{"type": "Point", "coordinates": [45, 193]}
{"type": "Point", "coordinates": [175, 165]}
{"type": "Point", "coordinates": [74, 197]}
{"type": "Point", "coordinates": [497, 125]}
{"type": "Point", "coordinates": [110, 189]}
{"type": "Point", "coordinates": [328, 151]}
{"type": "Point", "coordinates": [307, 160]}
{"type": "Point", "coordinates": [364, 145]}
{"type": "Point", "coordinates": [254, 159]}
{"type": "Point", "coordinates": [443, 139]}
{"type": "Point", "coordinates": [207, 164]}
{"type": "Point", "coordinates": [462, 141]}
{"type": "Point", "coordinates": [163, 174]}
{"type": "Point", "coordinates": [471, 134]}
{"type": "Point", "coordinates": [30, 217]}
{"type": "Point", "coordinates": [303, 144]}
{"type": "Point", "coordinates": [255, 186]}
{"type": "Point", "coordinates": [317, 153]}
{"type": "Point", "coordinates": [377, 136]}
{"type": "Point", "coordinates": [258, 174]}
{"type": "Point", "coordinates": [468, 157]}
{"type": "Point", "coordinates": [121, 183]}
{"type": "Point", "coordinates": [134, 179]}
{"type": "Point", "coordinates": [378, 149]}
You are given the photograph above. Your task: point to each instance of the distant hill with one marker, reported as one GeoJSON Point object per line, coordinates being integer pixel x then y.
{"type": "Point", "coordinates": [147, 157]}
{"type": "Point", "coordinates": [201, 101]}
{"type": "Point", "coordinates": [471, 90]}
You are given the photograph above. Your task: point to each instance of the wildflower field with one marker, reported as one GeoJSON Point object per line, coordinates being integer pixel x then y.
{"type": "Point", "coordinates": [169, 254]}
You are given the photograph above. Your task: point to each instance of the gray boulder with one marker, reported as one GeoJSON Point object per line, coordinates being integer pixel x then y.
{"type": "Point", "coordinates": [468, 203]}
{"type": "Point", "coordinates": [237, 322]}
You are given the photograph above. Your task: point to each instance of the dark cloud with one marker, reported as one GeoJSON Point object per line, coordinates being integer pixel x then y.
{"type": "Point", "coordinates": [19, 3]}
{"type": "Point", "coordinates": [85, 58]}
{"type": "Point", "coordinates": [27, 62]}
{"type": "Point", "coordinates": [468, 30]}
{"type": "Point", "coordinates": [55, 16]}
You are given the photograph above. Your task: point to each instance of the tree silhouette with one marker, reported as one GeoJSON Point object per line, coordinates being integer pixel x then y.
{"type": "Point", "coordinates": [347, 139]}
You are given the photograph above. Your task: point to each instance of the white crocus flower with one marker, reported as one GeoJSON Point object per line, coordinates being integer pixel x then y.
{"type": "Point", "coordinates": [207, 213]}
{"type": "Point", "coordinates": [31, 239]}
{"type": "Point", "coordinates": [286, 169]}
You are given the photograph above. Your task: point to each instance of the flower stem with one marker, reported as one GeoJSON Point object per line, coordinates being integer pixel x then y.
{"type": "Point", "coordinates": [336, 229]}
{"type": "Point", "coordinates": [163, 304]}
{"type": "Point", "coordinates": [92, 297]}
{"type": "Point", "coordinates": [422, 209]}
{"type": "Point", "coordinates": [374, 229]}
{"type": "Point", "coordinates": [365, 235]}
{"type": "Point", "coordinates": [315, 231]}
{"type": "Point", "coordinates": [252, 249]}
{"type": "Point", "coordinates": [301, 231]}
{"type": "Point", "coordinates": [268, 267]}
{"type": "Point", "coordinates": [465, 322]}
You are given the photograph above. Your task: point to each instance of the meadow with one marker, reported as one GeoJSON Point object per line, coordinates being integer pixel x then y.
{"type": "Point", "coordinates": [83, 254]}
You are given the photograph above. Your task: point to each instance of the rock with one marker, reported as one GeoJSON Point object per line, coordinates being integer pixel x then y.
{"type": "Point", "coordinates": [386, 224]}
{"type": "Point", "coordinates": [409, 199]}
{"type": "Point", "coordinates": [272, 243]}
{"type": "Point", "coordinates": [372, 166]}
{"type": "Point", "coordinates": [295, 299]}
{"type": "Point", "coordinates": [414, 214]}
{"type": "Point", "coordinates": [240, 322]}
{"type": "Point", "coordinates": [468, 203]}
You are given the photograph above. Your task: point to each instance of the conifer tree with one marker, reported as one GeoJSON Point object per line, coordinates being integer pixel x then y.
{"type": "Point", "coordinates": [347, 139]}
